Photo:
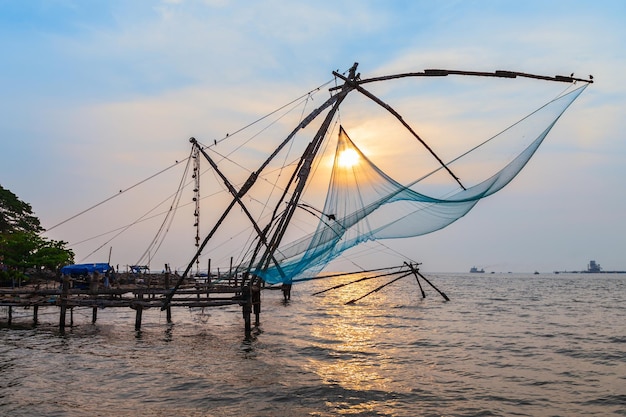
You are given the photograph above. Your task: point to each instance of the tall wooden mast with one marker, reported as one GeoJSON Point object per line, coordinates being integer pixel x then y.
{"type": "Point", "coordinates": [300, 178]}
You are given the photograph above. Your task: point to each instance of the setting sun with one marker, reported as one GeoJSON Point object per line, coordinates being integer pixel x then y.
{"type": "Point", "coordinates": [348, 158]}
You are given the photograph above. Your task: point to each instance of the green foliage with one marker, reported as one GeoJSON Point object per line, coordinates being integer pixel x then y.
{"type": "Point", "coordinates": [16, 215]}
{"type": "Point", "coordinates": [21, 246]}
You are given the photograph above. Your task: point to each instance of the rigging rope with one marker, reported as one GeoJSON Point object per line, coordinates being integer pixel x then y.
{"type": "Point", "coordinates": [361, 197]}
{"type": "Point", "coordinates": [159, 237]}
{"type": "Point", "coordinates": [122, 191]}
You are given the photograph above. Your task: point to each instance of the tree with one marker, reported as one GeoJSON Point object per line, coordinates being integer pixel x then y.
{"type": "Point", "coordinates": [52, 255]}
{"type": "Point", "coordinates": [21, 245]}
{"type": "Point", "coordinates": [16, 215]}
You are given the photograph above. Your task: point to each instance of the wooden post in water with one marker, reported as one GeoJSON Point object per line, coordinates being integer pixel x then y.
{"type": "Point", "coordinates": [166, 284]}
{"type": "Point", "coordinates": [256, 303]}
{"type": "Point", "coordinates": [65, 289]}
{"type": "Point", "coordinates": [35, 313]}
{"type": "Point", "coordinates": [230, 271]}
{"type": "Point", "coordinates": [71, 316]}
{"type": "Point", "coordinates": [139, 311]}
{"type": "Point", "coordinates": [10, 318]}
{"type": "Point", "coordinates": [208, 280]}
{"type": "Point", "coordinates": [410, 265]}
{"type": "Point", "coordinates": [94, 315]}
{"type": "Point", "coordinates": [247, 310]}
{"type": "Point", "coordinates": [445, 297]}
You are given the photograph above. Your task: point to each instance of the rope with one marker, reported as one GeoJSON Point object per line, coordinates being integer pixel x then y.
{"type": "Point", "coordinates": [115, 195]}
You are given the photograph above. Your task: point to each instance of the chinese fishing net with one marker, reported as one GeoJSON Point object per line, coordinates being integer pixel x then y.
{"type": "Point", "coordinates": [361, 198]}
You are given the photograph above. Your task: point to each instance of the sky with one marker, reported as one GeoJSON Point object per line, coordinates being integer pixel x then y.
{"type": "Point", "coordinates": [97, 96]}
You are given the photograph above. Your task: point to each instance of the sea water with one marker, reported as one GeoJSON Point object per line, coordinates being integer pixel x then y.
{"type": "Point", "coordinates": [504, 345]}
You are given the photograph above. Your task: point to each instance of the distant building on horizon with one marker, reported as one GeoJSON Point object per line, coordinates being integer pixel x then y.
{"type": "Point", "coordinates": [594, 267]}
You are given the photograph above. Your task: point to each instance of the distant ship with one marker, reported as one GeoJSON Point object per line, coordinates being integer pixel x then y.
{"type": "Point", "coordinates": [476, 270]}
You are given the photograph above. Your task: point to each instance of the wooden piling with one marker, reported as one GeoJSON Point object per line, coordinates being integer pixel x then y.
{"type": "Point", "coordinates": [10, 318]}
{"type": "Point", "coordinates": [35, 313]}
{"type": "Point", "coordinates": [65, 289]}
{"type": "Point", "coordinates": [247, 310]}
{"type": "Point", "coordinates": [138, 312]}
{"type": "Point", "coordinates": [415, 272]}
{"type": "Point", "coordinates": [256, 303]}
{"type": "Point", "coordinates": [166, 284]}
{"type": "Point", "coordinates": [208, 273]}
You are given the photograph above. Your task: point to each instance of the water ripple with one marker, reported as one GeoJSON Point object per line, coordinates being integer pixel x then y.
{"type": "Point", "coordinates": [504, 346]}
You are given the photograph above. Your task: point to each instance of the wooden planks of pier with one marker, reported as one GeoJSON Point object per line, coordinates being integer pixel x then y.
{"type": "Point", "coordinates": [150, 293]}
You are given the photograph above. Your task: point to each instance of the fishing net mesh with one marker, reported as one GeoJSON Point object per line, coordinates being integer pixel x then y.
{"type": "Point", "coordinates": [364, 203]}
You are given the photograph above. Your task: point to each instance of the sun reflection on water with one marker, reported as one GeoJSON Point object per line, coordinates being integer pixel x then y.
{"type": "Point", "coordinates": [350, 336]}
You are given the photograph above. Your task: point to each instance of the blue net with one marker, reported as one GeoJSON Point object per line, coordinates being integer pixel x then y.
{"type": "Point", "coordinates": [364, 203]}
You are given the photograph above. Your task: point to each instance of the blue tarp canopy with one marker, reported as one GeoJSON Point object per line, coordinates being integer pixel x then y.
{"type": "Point", "coordinates": [84, 269]}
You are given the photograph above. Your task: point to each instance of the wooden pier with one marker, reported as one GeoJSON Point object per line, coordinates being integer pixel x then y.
{"type": "Point", "coordinates": [150, 293]}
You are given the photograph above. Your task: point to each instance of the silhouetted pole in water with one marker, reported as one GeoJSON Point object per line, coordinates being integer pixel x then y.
{"type": "Point", "coordinates": [286, 288]}
{"type": "Point", "coordinates": [415, 270]}
{"type": "Point", "coordinates": [355, 281]}
{"type": "Point", "coordinates": [247, 309]}
{"type": "Point", "coordinates": [378, 288]}
{"type": "Point", "coordinates": [65, 289]}
{"type": "Point", "coordinates": [166, 281]}
{"type": "Point", "coordinates": [139, 311]}
{"type": "Point", "coordinates": [410, 265]}
{"type": "Point", "coordinates": [256, 303]}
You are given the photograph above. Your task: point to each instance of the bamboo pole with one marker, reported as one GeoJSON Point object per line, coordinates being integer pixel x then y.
{"type": "Point", "coordinates": [378, 288]}
{"type": "Point", "coordinates": [410, 265]}
{"type": "Point", "coordinates": [247, 310]}
{"type": "Point", "coordinates": [138, 311]}
{"type": "Point", "coordinates": [445, 297]}
{"type": "Point", "coordinates": [64, 293]}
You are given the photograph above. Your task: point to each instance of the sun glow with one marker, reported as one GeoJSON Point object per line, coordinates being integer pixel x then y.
{"type": "Point", "coordinates": [348, 158]}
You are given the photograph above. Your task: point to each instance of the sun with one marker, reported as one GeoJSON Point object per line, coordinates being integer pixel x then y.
{"type": "Point", "coordinates": [348, 158]}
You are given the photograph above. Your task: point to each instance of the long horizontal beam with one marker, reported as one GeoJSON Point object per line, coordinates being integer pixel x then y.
{"type": "Point", "coordinates": [495, 74]}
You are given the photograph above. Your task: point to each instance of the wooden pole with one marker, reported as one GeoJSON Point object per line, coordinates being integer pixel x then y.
{"type": "Point", "coordinates": [168, 312]}
{"type": "Point", "coordinates": [10, 318]}
{"type": "Point", "coordinates": [94, 315]}
{"type": "Point", "coordinates": [139, 311]}
{"type": "Point", "coordinates": [209, 273]}
{"type": "Point", "coordinates": [410, 265]}
{"type": "Point", "coordinates": [445, 297]}
{"type": "Point", "coordinates": [230, 270]}
{"type": "Point", "coordinates": [377, 288]}
{"type": "Point", "coordinates": [65, 289]}
{"type": "Point", "coordinates": [247, 310]}
{"type": "Point", "coordinates": [35, 313]}
{"type": "Point", "coordinates": [256, 303]}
